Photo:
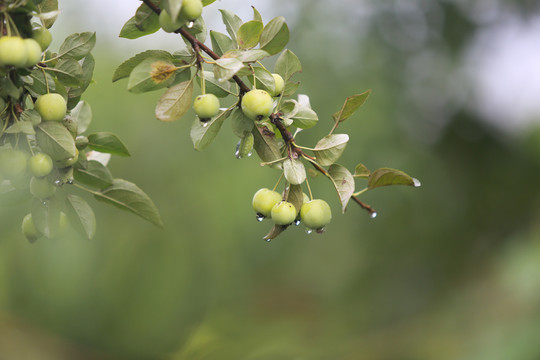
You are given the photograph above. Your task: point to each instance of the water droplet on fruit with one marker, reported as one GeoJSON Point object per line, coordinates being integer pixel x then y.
{"type": "Point", "coordinates": [58, 182]}
{"type": "Point", "coordinates": [260, 217]}
{"type": "Point", "coordinates": [373, 215]}
{"type": "Point", "coordinates": [237, 152]}
{"type": "Point", "coordinates": [309, 231]}
{"type": "Point", "coordinates": [296, 222]}
{"type": "Point", "coordinates": [416, 182]}
{"type": "Point", "coordinates": [204, 124]}
{"type": "Point", "coordinates": [250, 153]}
{"type": "Point", "coordinates": [190, 24]}
{"type": "Point", "coordinates": [268, 240]}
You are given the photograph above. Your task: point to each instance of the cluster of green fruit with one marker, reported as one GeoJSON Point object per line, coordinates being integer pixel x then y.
{"type": "Point", "coordinates": [22, 53]}
{"type": "Point", "coordinates": [314, 214]}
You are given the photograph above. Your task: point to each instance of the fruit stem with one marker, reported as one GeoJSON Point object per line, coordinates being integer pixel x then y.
{"type": "Point", "coordinates": [279, 180]}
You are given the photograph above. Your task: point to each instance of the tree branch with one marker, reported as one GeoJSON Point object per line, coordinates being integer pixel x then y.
{"type": "Point", "coordinates": [197, 44]}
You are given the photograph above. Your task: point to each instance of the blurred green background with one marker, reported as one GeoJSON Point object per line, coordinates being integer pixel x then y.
{"type": "Point", "coordinates": [447, 271]}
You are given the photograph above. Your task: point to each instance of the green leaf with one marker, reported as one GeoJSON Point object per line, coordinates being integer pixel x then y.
{"type": "Point", "coordinates": [387, 177]}
{"type": "Point", "coordinates": [352, 103]}
{"type": "Point", "coordinates": [226, 68]}
{"type": "Point", "coordinates": [81, 216]}
{"type": "Point", "coordinates": [151, 74]}
{"type": "Point", "coordinates": [274, 232]}
{"type": "Point", "coordinates": [23, 127]}
{"type": "Point", "coordinates": [78, 45]}
{"type": "Point", "coordinates": [290, 88]}
{"type": "Point", "coordinates": [296, 197]}
{"type": "Point", "coordinates": [256, 14]}
{"type": "Point", "coordinates": [86, 78]}
{"type": "Point", "coordinates": [54, 139]}
{"type": "Point", "coordinates": [37, 84]}
{"type": "Point", "coordinates": [207, 2]}
{"type": "Point", "coordinates": [287, 64]}
{"type": "Point", "coordinates": [249, 33]}
{"type": "Point", "coordinates": [31, 116]}
{"type": "Point", "coordinates": [275, 35]}
{"type": "Point", "coordinates": [329, 149]}
{"type": "Point", "coordinates": [232, 23]}
{"type": "Point", "coordinates": [127, 196]}
{"type": "Point", "coordinates": [68, 71]}
{"type": "Point", "coordinates": [343, 182]}
{"type": "Point", "coordinates": [202, 134]}
{"type": "Point", "coordinates": [305, 118]}
{"type": "Point", "coordinates": [82, 115]}
{"type": "Point", "coordinates": [266, 144]}
{"type": "Point", "coordinates": [107, 143]}
{"type": "Point", "coordinates": [294, 171]}
{"type": "Point", "coordinates": [221, 43]}
{"type": "Point", "coordinates": [241, 124]}
{"type": "Point", "coordinates": [220, 89]}
{"type": "Point", "coordinates": [172, 7]}
{"type": "Point", "coordinates": [175, 102]}
{"type": "Point", "coordinates": [361, 171]}
{"type": "Point", "coordinates": [7, 87]}
{"type": "Point", "coordinates": [46, 215]}
{"type": "Point", "coordinates": [264, 78]}
{"type": "Point", "coordinates": [246, 56]}
{"type": "Point", "coordinates": [48, 12]}
{"type": "Point", "coordinates": [198, 30]}
{"type": "Point", "coordinates": [144, 22]}
{"type": "Point", "coordinates": [127, 66]}
{"type": "Point", "coordinates": [95, 174]}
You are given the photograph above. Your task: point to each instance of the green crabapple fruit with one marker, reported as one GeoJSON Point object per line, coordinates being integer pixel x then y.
{"type": "Point", "coordinates": [206, 106]}
{"type": "Point", "coordinates": [41, 188]}
{"type": "Point", "coordinates": [29, 228]}
{"type": "Point", "coordinates": [51, 107]}
{"type": "Point", "coordinates": [167, 23]}
{"type": "Point", "coordinates": [12, 51]}
{"type": "Point", "coordinates": [316, 214]}
{"type": "Point", "coordinates": [33, 52]}
{"type": "Point", "coordinates": [280, 84]}
{"type": "Point", "coordinates": [40, 164]}
{"type": "Point", "coordinates": [191, 9]}
{"type": "Point", "coordinates": [42, 36]}
{"type": "Point", "coordinates": [12, 163]}
{"type": "Point", "coordinates": [264, 200]}
{"type": "Point", "coordinates": [283, 213]}
{"type": "Point", "coordinates": [257, 104]}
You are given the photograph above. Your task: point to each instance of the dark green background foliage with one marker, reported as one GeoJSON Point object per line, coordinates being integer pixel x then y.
{"type": "Point", "coordinates": [447, 271]}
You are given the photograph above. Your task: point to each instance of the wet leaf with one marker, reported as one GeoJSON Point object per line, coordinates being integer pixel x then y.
{"type": "Point", "coordinates": [387, 177]}
{"type": "Point", "coordinates": [175, 102]}
{"type": "Point", "coordinates": [343, 182]}
{"type": "Point", "coordinates": [46, 215]}
{"type": "Point", "coordinates": [202, 134]}
{"type": "Point", "coordinates": [352, 103]}
{"type": "Point", "coordinates": [107, 142]}
{"type": "Point", "coordinates": [329, 149]}
{"type": "Point", "coordinates": [81, 216]}
{"type": "Point", "coordinates": [127, 196]}
{"type": "Point", "coordinates": [294, 171]}
{"type": "Point", "coordinates": [274, 232]}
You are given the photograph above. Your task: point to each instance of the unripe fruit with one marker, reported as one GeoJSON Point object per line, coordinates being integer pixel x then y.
{"type": "Point", "coordinates": [167, 23]}
{"type": "Point", "coordinates": [264, 200]}
{"type": "Point", "coordinates": [42, 36]}
{"type": "Point", "coordinates": [206, 106]}
{"type": "Point", "coordinates": [29, 229]}
{"type": "Point", "coordinates": [12, 51]}
{"type": "Point", "coordinates": [33, 52]}
{"type": "Point", "coordinates": [191, 9]}
{"type": "Point", "coordinates": [316, 214]}
{"type": "Point", "coordinates": [81, 142]}
{"type": "Point", "coordinates": [305, 198]}
{"type": "Point", "coordinates": [283, 213]}
{"type": "Point", "coordinates": [42, 188]}
{"type": "Point", "coordinates": [257, 104]}
{"type": "Point", "coordinates": [280, 84]}
{"type": "Point", "coordinates": [51, 107]}
{"type": "Point", "coordinates": [40, 164]}
{"type": "Point", "coordinates": [12, 163]}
